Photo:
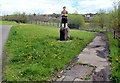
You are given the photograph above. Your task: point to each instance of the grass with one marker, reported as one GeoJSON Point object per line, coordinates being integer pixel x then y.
{"type": "Point", "coordinates": [35, 54]}
{"type": "Point", "coordinates": [87, 25]}
{"type": "Point", "coordinates": [88, 76]}
{"type": "Point", "coordinates": [114, 58]}
{"type": "Point", "coordinates": [8, 23]}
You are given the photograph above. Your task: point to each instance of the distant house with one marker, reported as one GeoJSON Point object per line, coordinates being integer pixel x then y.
{"type": "Point", "coordinates": [88, 16]}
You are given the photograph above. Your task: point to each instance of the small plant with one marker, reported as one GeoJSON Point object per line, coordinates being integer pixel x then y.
{"type": "Point", "coordinates": [69, 68]}
{"type": "Point", "coordinates": [87, 77]}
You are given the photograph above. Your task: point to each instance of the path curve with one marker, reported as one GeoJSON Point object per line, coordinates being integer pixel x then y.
{"type": "Point", "coordinates": [94, 54]}
{"type": "Point", "coordinates": [4, 31]}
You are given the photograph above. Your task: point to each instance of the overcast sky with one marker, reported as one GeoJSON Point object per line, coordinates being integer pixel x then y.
{"type": "Point", "coordinates": [53, 6]}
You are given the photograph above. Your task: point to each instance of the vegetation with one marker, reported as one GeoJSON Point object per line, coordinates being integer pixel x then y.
{"type": "Point", "coordinates": [8, 23]}
{"type": "Point", "coordinates": [95, 22]}
{"type": "Point", "coordinates": [76, 20]}
{"type": "Point", "coordinates": [107, 20]}
{"type": "Point", "coordinates": [99, 20]}
{"type": "Point", "coordinates": [114, 58]}
{"type": "Point", "coordinates": [102, 18]}
{"type": "Point", "coordinates": [35, 53]}
{"type": "Point", "coordinates": [19, 18]}
{"type": "Point", "coordinates": [38, 55]}
{"type": "Point", "coordinates": [87, 77]}
{"type": "Point", "coordinates": [24, 18]}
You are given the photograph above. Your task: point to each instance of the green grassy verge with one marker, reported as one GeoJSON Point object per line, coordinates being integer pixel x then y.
{"type": "Point", "coordinates": [114, 58]}
{"type": "Point", "coordinates": [35, 54]}
{"type": "Point", "coordinates": [114, 46]}
{"type": "Point", "coordinates": [8, 23]}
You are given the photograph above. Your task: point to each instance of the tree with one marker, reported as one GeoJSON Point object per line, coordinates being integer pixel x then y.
{"type": "Point", "coordinates": [94, 22]}
{"type": "Point", "coordinates": [113, 18]}
{"type": "Point", "coordinates": [119, 17]}
{"type": "Point", "coordinates": [112, 21]}
{"type": "Point", "coordinates": [102, 18]}
{"type": "Point", "coordinates": [75, 21]}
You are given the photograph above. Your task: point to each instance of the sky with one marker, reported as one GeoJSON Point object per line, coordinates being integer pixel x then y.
{"type": "Point", "coordinates": [53, 6]}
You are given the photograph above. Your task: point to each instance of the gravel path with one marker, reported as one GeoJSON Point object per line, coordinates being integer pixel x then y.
{"type": "Point", "coordinates": [93, 64]}
{"type": "Point", "coordinates": [4, 31]}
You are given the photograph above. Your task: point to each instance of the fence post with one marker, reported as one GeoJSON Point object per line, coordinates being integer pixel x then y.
{"type": "Point", "coordinates": [114, 34]}
{"type": "Point", "coordinates": [36, 21]}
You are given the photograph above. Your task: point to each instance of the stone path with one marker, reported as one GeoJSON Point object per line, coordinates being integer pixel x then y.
{"type": "Point", "coordinates": [92, 63]}
{"type": "Point", "coordinates": [4, 30]}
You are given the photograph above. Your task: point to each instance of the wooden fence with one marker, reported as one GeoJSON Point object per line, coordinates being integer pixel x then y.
{"type": "Point", "coordinates": [112, 31]}
{"type": "Point", "coordinates": [43, 23]}
{"type": "Point", "coordinates": [46, 23]}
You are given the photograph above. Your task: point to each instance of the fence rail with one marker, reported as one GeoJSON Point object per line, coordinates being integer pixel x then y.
{"type": "Point", "coordinates": [57, 24]}
{"type": "Point", "coordinates": [112, 31]}
{"type": "Point", "coordinates": [45, 23]}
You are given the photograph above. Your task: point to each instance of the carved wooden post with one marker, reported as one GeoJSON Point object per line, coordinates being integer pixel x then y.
{"type": "Point", "coordinates": [64, 30]}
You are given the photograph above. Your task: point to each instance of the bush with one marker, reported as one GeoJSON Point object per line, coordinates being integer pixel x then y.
{"type": "Point", "coordinates": [75, 26]}
{"type": "Point", "coordinates": [75, 21]}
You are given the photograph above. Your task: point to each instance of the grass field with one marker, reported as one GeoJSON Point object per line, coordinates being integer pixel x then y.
{"type": "Point", "coordinates": [35, 54]}
{"type": "Point", "coordinates": [8, 23]}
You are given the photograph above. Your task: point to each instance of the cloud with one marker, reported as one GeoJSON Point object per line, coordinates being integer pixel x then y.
{"type": "Point", "coordinates": [52, 6]}
{"type": "Point", "coordinates": [94, 5]}
{"type": "Point", "coordinates": [37, 6]}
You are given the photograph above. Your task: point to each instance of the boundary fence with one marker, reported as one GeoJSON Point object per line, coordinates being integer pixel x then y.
{"type": "Point", "coordinates": [58, 24]}
{"type": "Point", "coordinates": [116, 34]}
{"type": "Point", "coordinates": [44, 23]}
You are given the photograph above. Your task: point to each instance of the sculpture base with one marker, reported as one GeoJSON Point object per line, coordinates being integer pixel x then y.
{"type": "Point", "coordinates": [64, 34]}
